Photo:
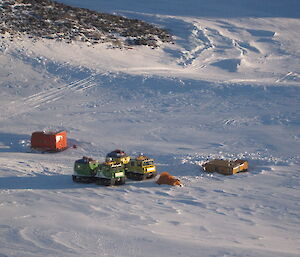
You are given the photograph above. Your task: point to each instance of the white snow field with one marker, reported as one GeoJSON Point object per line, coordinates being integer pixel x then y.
{"type": "Point", "coordinates": [228, 87]}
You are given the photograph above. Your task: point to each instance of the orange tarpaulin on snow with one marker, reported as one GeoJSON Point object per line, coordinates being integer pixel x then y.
{"type": "Point", "coordinates": [166, 179]}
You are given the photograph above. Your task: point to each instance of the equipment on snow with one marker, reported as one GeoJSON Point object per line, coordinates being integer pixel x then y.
{"type": "Point", "coordinates": [118, 156]}
{"type": "Point", "coordinates": [140, 168]}
{"type": "Point", "coordinates": [49, 141]}
{"type": "Point", "coordinates": [88, 170]}
{"type": "Point", "coordinates": [226, 167]}
{"type": "Point", "coordinates": [166, 179]}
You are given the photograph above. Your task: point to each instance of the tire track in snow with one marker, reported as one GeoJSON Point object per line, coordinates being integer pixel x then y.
{"type": "Point", "coordinates": [289, 76]}
{"type": "Point", "coordinates": [213, 44]}
{"type": "Point", "coordinates": [45, 97]}
{"type": "Point", "coordinates": [49, 97]}
{"type": "Point", "coordinates": [42, 241]}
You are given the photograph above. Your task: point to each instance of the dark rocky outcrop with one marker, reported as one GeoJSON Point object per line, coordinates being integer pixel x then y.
{"type": "Point", "coordinates": [52, 20]}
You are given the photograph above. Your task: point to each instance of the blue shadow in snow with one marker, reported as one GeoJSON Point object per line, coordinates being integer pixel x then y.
{"type": "Point", "coordinates": [230, 65]}
{"type": "Point", "coordinates": [10, 142]}
{"type": "Point", "coordinates": [42, 182]}
{"type": "Point", "coordinates": [62, 181]}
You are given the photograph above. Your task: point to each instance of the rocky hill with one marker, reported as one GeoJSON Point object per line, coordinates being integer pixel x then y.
{"type": "Point", "coordinates": [52, 20]}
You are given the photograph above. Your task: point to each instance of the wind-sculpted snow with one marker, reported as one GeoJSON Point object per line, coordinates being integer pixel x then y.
{"type": "Point", "coordinates": [54, 216]}
{"type": "Point", "coordinates": [228, 88]}
{"type": "Point", "coordinates": [232, 50]}
{"type": "Point", "coordinates": [44, 211]}
{"type": "Point", "coordinates": [45, 97]}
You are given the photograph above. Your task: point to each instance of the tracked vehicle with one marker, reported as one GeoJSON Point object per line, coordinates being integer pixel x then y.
{"type": "Point", "coordinates": [110, 173]}
{"type": "Point", "coordinates": [118, 156]}
{"type": "Point", "coordinates": [87, 170]}
{"type": "Point", "coordinates": [140, 168]}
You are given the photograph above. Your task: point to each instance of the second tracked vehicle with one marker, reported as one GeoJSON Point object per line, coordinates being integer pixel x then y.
{"type": "Point", "coordinates": [109, 173]}
{"type": "Point", "coordinates": [140, 168]}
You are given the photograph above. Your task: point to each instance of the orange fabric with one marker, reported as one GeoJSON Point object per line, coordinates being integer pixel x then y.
{"type": "Point", "coordinates": [166, 179]}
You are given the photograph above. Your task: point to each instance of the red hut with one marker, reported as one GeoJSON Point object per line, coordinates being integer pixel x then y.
{"type": "Point", "coordinates": [49, 141]}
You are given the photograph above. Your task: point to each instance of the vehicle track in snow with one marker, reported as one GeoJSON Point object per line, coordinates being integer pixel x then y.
{"type": "Point", "coordinates": [201, 43]}
{"type": "Point", "coordinates": [34, 101]}
{"type": "Point", "coordinates": [289, 76]}
{"type": "Point", "coordinates": [210, 43]}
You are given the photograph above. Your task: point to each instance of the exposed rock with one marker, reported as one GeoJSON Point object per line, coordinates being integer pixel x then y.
{"type": "Point", "coordinates": [52, 20]}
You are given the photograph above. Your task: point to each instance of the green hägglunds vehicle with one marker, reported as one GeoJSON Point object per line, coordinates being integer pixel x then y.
{"type": "Point", "coordinates": [88, 170]}
{"type": "Point", "coordinates": [140, 168]}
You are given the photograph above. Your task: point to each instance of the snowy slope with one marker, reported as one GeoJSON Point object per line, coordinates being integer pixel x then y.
{"type": "Point", "coordinates": [227, 88]}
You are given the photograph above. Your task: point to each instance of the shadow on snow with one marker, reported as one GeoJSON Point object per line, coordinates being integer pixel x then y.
{"type": "Point", "coordinates": [40, 181]}
{"type": "Point", "coordinates": [10, 142]}
{"type": "Point", "coordinates": [60, 181]}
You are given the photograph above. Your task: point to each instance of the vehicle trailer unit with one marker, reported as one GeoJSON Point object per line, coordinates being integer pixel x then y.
{"type": "Point", "coordinates": [110, 173]}
{"type": "Point", "coordinates": [140, 168]}
{"type": "Point", "coordinates": [226, 167]}
{"type": "Point", "coordinates": [87, 170]}
{"type": "Point", "coordinates": [118, 156]}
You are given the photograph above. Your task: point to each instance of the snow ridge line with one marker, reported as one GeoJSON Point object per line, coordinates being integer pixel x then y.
{"type": "Point", "coordinates": [36, 100]}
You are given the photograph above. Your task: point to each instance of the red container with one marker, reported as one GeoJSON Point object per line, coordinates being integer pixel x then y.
{"type": "Point", "coordinates": [49, 141]}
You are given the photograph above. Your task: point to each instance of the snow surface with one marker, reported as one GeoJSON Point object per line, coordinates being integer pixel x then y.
{"type": "Point", "coordinates": [227, 88]}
